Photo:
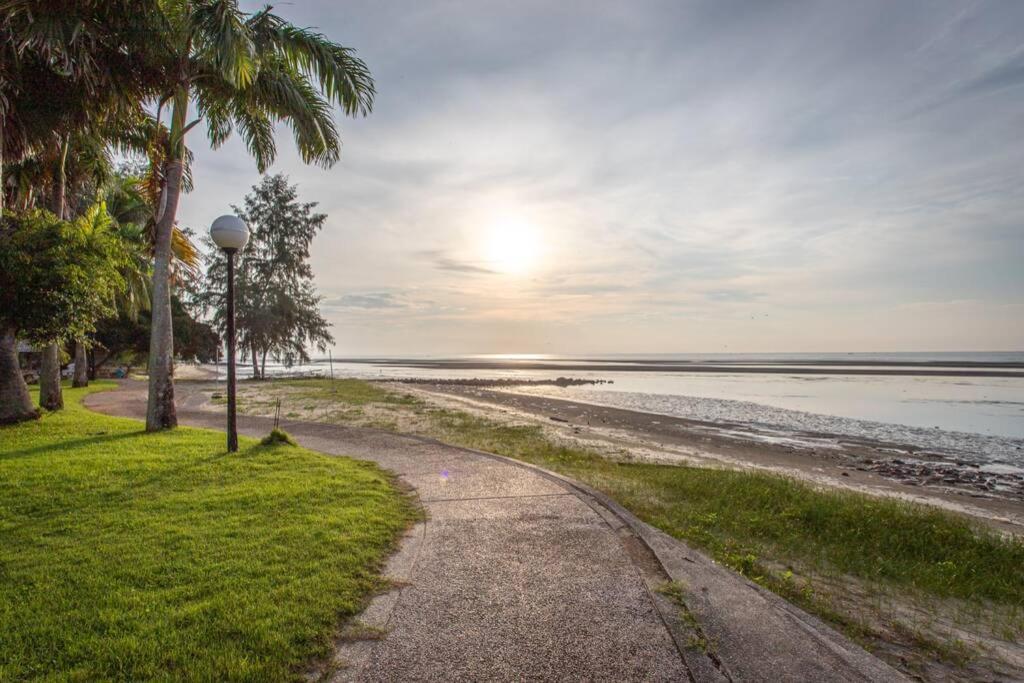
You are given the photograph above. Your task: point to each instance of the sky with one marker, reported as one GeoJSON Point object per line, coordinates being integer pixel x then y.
{"type": "Point", "coordinates": [657, 177]}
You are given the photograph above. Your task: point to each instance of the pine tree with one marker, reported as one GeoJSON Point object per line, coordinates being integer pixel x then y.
{"type": "Point", "coordinates": [277, 309]}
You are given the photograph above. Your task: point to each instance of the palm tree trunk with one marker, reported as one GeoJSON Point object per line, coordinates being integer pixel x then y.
{"type": "Point", "coordinates": [15, 402]}
{"type": "Point", "coordinates": [81, 365]}
{"type": "Point", "coordinates": [58, 200]}
{"type": "Point", "coordinates": [160, 411]}
{"type": "Point", "coordinates": [2, 177]}
{"type": "Point", "coordinates": [50, 395]}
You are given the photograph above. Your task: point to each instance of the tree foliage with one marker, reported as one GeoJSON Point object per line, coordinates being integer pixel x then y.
{"type": "Point", "coordinates": [124, 338]}
{"type": "Point", "coordinates": [78, 72]}
{"type": "Point", "coordinates": [194, 339]}
{"type": "Point", "coordinates": [120, 339]}
{"type": "Point", "coordinates": [68, 65]}
{"type": "Point", "coordinates": [57, 278]}
{"type": "Point", "coordinates": [277, 309]}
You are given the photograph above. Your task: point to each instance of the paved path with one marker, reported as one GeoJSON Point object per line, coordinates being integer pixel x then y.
{"type": "Point", "coordinates": [518, 574]}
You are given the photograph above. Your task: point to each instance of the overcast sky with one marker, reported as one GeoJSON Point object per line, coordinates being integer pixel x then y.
{"type": "Point", "coordinates": [686, 176]}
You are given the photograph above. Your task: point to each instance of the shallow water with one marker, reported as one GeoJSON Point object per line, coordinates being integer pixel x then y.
{"type": "Point", "coordinates": [781, 425]}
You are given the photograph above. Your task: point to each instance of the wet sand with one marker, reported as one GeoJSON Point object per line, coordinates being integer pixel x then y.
{"type": "Point", "coordinates": [872, 467]}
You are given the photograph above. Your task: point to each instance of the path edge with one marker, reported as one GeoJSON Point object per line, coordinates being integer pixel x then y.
{"type": "Point", "coordinates": [670, 552]}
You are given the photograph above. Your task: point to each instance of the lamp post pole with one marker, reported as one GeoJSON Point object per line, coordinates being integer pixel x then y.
{"type": "Point", "coordinates": [232, 421]}
{"type": "Point", "coordinates": [230, 233]}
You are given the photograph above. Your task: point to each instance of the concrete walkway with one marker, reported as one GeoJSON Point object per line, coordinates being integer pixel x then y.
{"type": "Point", "coordinates": [520, 574]}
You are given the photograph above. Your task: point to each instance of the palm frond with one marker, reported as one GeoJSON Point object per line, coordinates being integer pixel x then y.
{"type": "Point", "coordinates": [137, 270]}
{"type": "Point", "coordinates": [289, 97]}
{"type": "Point", "coordinates": [342, 77]}
{"type": "Point", "coordinates": [257, 131]}
{"type": "Point", "coordinates": [217, 115]}
{"type": "Point", "coordinates": [223, 40]}
{"type": "Point", "coordinates": [127, 203]}
{"type": "Point", "coordinates": [186, 253]}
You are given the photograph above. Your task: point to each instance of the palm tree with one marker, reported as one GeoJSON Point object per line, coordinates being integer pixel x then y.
{"type": "Point", "coordinates": [129, 212]}
{"type": "Point", "coordinates": [59, 177]}
{"type": "Point", "coordinates": [245, 72]}
{"type": "Point", "coordinates": [68, 177]}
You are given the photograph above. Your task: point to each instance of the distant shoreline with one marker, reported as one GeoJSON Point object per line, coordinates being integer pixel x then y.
{"type": "Point", "coordinates": [787, 367]}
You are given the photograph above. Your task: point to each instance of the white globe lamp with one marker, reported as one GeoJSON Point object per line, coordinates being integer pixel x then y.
{"type": "Point", "coordinates": [230, 233]}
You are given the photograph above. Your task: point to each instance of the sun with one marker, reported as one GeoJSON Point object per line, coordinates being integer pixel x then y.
{"type": "Point", "coordinates": [512, 246]}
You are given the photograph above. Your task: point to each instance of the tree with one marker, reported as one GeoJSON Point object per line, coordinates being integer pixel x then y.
{"type": "Point", "coordinates": [194, 340]}
{"type": "Point", "coordinates": [130, 207]}
{"type": "Point", "coordinates": [125, 336]}
{"type": "Point", "coordinates": [246, 72]}
{"type": "Point", "coordinates": [125, 339]}
{"type": "Point", "coordinates": [68, 77]}
{"type": "Point", "coordinates": [277, 309]}
{"type": "Point", "coordinates": [67, 178]}
{"type": "Point", "coordinates": [56, 279]}
{"type": "Point", "coordinates": [121, 338]}
{"type": "Point", "coordinates": [133, 217]}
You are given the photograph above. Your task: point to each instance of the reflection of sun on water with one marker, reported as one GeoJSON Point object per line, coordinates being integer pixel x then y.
{"type": "Point", "coordinates": [512, 246]}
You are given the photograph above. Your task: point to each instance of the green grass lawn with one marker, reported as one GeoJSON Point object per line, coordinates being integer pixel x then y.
{"type": "Point", "coordinates": [351, 391]}
{"type": "Point", "coordinates": [134, 556]}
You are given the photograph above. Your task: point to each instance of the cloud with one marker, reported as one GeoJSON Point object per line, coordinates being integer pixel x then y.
{"type": "Point", "coordinates": [1009, 74]}
{"type": "Point", "coordinates": [733, 295]}
{"type": "Point", "coordinates": [368, 300]}
{"type": "Point", "coordinates": [442, 261]}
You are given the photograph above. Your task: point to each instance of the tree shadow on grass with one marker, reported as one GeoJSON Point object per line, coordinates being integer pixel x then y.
{"type": "Point", "coordinates": [69, 444]}
{"type": "Point", "coordinates": [162, 473]}
{"type": "Point", "coordinates": [131, 485]}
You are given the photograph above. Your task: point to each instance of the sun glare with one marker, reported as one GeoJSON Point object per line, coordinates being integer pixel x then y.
{"type": "Point", "coordinates": [512, 246]}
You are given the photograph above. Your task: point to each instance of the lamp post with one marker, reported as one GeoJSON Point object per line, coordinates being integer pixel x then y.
{"type": "Point", "coordinates": [230, 233]}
